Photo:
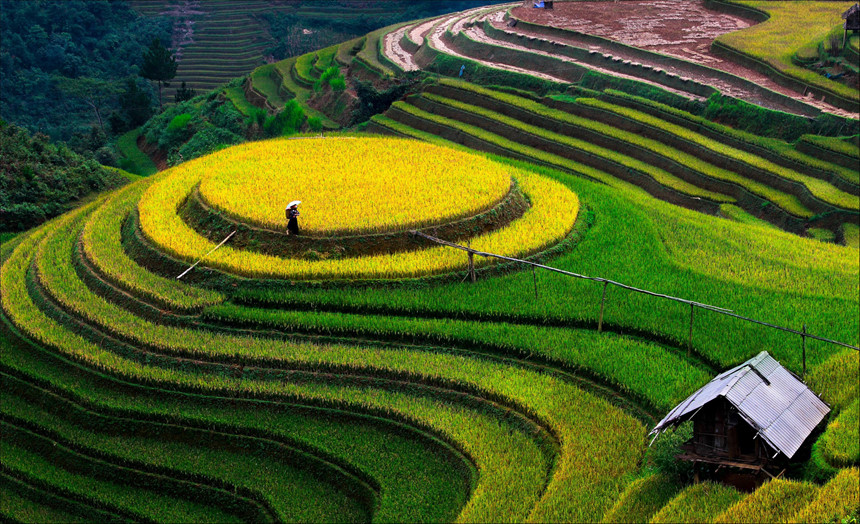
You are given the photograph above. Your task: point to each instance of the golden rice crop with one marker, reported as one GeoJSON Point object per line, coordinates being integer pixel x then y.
{"type": "Point", "coordinates": [775, 501]}
{"type": "Point", "coordinates": [836, 500]}
{"type": "Point", "coordinates": [791, 26]}
{"type": "Point", "coordinates": [550, 218]}
{"type": "Point", "coordinates": [350, 185]}
{"type": "Point", "coordinates": [701, 502]}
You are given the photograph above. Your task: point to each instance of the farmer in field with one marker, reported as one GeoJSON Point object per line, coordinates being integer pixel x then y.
{"type": "Point", "coordinates": [292, 212]}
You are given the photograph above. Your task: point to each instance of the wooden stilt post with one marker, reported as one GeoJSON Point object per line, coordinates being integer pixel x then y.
{"type": "Point", "coordinates": [472, 266]}
{"type": "Point", "coordinates": [602, 302]}
{"type": "Point", "coordinates": [803, 338]}
{"type": "Point", "coordinates": [690, 338]}
{"type": "Point", "coordinates": [534, 278]}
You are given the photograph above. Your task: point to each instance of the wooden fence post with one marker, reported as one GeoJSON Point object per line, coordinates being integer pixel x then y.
{"type": "Point", "coordinates": [803, 338]}
{"type": "Point", "coordinates": [602, 302]}
{"type": "Point", "coordinates": [534, 278]}
{"type": "Point", "coordinates": [472, 266]}
{"type": "Point", "coordinates": [690, 338]}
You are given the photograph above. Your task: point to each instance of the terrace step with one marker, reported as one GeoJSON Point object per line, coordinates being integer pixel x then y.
{"type": "Point", "coordinates": [405, 446]}
{"type": "Point", "coordinates": [52, 505]}
{"type": "Point", "coordinates": [190, 444]}
{"type": "Point", "coordinates": [749, 195]}
{"type": "Point", "coordinates": [819, 195]}
{"type": "Point", "coordinates": [34, 455]}
{"type": "Point", "coordinates": [476, 138]}
{"type": "Point", "coordinates": [770, 149]}
{"type": "Point", "coordinates": [691, 161]}
{"type": "Point", "coordinates": [598, 51]}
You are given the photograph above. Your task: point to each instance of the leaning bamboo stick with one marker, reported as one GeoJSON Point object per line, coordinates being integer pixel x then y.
{"type": "Point", "coordinates": [206, 255]}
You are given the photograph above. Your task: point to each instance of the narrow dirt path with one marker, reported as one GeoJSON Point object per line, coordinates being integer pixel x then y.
{"type": "Point", "coordinates": [435, 38]}
{"type": "Point", "coordinates": [476, 32]}
{"type": "Point", "coordinates": [395, 52]}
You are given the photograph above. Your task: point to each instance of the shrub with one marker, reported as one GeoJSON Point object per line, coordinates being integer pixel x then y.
{"type": "Point", "coordinates": [179, 122]}
{"type": "Point", "coordinates": [338, 84]}
{"type": "Point", "coordinates": [41, 180]}
{"type": "Point", "coordinates": [331, 77]}
{"type": "Point", "coordinates": [315, 123]}
{"type": "Point", "coordinates": [662, 454]}
{"type": "Point", "coordinates": [106, 156]}
{"type": "Point", "coordinates": [206, 141]}
{"type": "Point", "coordinates": [287, 121]}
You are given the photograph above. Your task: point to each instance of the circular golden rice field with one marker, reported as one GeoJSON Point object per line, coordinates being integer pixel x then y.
{"type": "Point", "coordinates": [444, 184]}
{"type": "Point", "coordinates": [350, 185]}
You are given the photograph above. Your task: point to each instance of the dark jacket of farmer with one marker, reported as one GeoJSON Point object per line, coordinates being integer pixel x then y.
{"type": "Point", "coordinates": [292, 220]}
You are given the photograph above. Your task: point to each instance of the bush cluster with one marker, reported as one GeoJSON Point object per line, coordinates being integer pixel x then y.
{"type": "Point", "coordinates": [42, 180]}
{"type": "Point", "coordinates": [331, 77]}
{"type": "Point", "coordinates": [194, 128]}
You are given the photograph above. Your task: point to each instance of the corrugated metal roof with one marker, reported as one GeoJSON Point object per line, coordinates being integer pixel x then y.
{"type": "Point", "coordinates": [768, 396]}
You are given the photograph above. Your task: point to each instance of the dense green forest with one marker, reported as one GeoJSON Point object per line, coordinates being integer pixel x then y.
{"type": "Point", "coordinates": [62, 60]}
{"type": "Point", "coordinates": [42, 180]}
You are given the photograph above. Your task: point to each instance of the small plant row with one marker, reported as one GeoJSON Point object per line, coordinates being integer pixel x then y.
{"type": "Point", "coordinates": [182, 453]}
{"type": "Point", "coordinates": [695, 156]}
{"type": "Point", "coordinates": [672, 242]}
{"type": "Point", "coordinates": [55, 284]}
{"type": "Point", "coordinates": [384, 450]}
{"type": "Point", "coordinates": [845, 177]}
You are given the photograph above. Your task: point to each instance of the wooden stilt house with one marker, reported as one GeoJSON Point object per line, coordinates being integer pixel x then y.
{"type": "Point", "coordinates": [852, 21]}
{"type": "Point", "coordinates": [748, 417]}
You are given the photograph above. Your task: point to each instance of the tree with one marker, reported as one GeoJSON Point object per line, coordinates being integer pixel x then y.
{"type": "Point", "coordinates": [135, 107]}
{"type": "Point", "coordinates": [184, 93]}
{"type": "Point", "coordinates": [159, 65]}
{"type": "Point", "coordinates": [94, 91]}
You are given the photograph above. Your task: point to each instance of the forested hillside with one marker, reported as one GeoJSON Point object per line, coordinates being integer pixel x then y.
{"type": "Point", "coordinates": [60, 60]}
{"type": "Point", "coordinates": [42, 180]}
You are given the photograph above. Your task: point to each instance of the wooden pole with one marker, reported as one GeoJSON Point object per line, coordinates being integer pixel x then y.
{"type": "Point", "coordinates": [534, 278]}
{"type": "Point", "coordinates": [206, 255]}
{"type": "Point", "coordinates": [472, 266]}
{"type": "Point", "coordinates": [602, 302]}
{"type": "Point", "coordinates": [803, 338]}
{"type": "Point", "coordinates": [690, 338]}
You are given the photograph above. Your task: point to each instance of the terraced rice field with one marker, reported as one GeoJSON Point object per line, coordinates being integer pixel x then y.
{"type": "Point", "coordinates": [357, 373]}
{"type": "Point", "coordinates": [215, 41]}
{"type": "Point", "coordinates": [562, 44]}
{"type": "Point", "coordinates": [129, 391]}
{"type": "Point", "coordinates": [604, 135]}
{"type": "Point", "coordinates": [621, 138]}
